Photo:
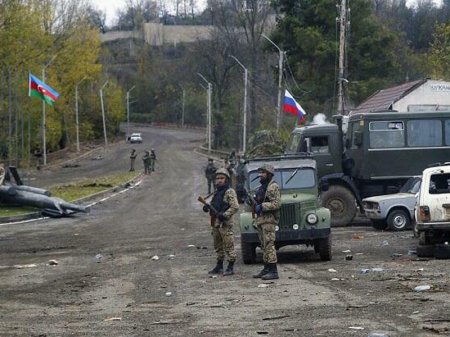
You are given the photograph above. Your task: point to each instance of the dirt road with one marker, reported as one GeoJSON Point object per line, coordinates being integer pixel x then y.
{"type": "Point", "coordinates": [108, 280]}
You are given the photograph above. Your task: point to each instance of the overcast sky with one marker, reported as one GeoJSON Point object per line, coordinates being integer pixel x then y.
{"type": "Point", "coordinates": [110, 7]}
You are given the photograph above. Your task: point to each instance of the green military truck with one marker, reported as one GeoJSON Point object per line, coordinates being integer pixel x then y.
{"type": "Point", "coordinates": [371, 154]}
{"type": "Point", "coordinates": [302, 219]}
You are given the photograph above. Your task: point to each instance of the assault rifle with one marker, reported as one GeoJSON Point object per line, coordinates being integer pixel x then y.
{"type": "Point", "coordinates": [213, 211]}
{"type": "Point", "coordinates": [252, 202]}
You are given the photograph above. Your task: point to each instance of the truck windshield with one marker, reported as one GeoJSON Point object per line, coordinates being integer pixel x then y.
{"type": "Point", "coordinates": [290, 178]}
{"type": "Point", "coordinates": [293, 145]}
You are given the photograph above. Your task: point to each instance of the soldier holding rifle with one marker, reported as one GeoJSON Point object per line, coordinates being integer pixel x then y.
{"type": "Point", "coordinates": [267, 205]}
{"type": "Point", "coordinates": [223, 207]}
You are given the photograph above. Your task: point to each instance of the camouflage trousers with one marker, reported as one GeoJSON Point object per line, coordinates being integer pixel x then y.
{"type": "Point", "coordinates": [266, 234]}
{"type": "Point", "coordinates": [224, 243]}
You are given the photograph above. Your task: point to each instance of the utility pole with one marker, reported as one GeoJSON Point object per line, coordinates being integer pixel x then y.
{"type": "Point", "coordinates": [209, 110]}
{"type": "Point", "coordinates": [182, 107]}
{"type": "Point", "coordinates": [244, 136]}
{"type": "Point", "coordinates": [280, 80]}
{"type": "Point", "coordinates": [128, 111]}
{"type": "Point", "coordinates": [76, 114]}
{"type": "Point", "coordinates": [103, 113]}
{"type": "Point", "coordinates": [342, 47]}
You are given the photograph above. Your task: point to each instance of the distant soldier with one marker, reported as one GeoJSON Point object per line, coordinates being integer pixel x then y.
{"type": "Point", "coordinates": [232, 159]}
{"type": "Point", "coordinates": [38, 154]}
{"type": "Point", "coordinates": [152, 160]}
{"type": "Point", "coordinates": [146, 160]}
{"type": "Point", "coordinates": [268, 203]}
{"type": "Point", "coordinates": [223, 207]}
{"type": "Point", "coordinates": [210, 172]}
{"type": "Point", "coordinates": [241, 174]}
{"type": "Point", "coordinates": [133, 156]}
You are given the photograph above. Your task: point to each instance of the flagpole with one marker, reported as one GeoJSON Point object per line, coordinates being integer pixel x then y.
{"type": "Point", "coordinates": [44, 125]}
{"type": "Point", "coordinates": [280, 80]}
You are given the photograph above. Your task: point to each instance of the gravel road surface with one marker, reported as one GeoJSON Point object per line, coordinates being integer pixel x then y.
{"type": "Point", "coordinates": [137, 266]}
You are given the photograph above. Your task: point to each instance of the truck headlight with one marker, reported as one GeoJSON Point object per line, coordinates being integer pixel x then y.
{"type": "Point", "coordinates": [312, 219]}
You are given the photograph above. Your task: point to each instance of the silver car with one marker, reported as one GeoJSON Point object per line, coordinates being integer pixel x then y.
{"type": "Point", "coordinates": [394, 211]}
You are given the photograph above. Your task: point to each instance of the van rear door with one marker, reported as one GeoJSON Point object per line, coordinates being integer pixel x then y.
{"type": "Point", "coordinates": [438, 199]}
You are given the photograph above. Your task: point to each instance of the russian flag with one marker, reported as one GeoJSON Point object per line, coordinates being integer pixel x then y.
{"type": "Point", "coordinates": [290, 105]}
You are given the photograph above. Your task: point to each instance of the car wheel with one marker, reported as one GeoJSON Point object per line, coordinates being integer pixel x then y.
{"type": "Point", "coordinates": [324, 248]}
{"type": "Point", "coordinates": [425, 250]}
{"type": "Point", "coordinates": [248, 251]}
{"type": "Point", "coordinates": [379, 224]}
{"type": "Point", "coordinates": [398, 220]}
{"type": "Point", "coordinates": [441, 251]}
{"type": "Point", "coordinates": [341, 203]}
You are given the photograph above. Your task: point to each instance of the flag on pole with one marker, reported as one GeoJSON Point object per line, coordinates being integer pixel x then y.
{"type": "Point", "coordinates": [290, 105]}
{"type": "Point", "coordinates": [39, 89]}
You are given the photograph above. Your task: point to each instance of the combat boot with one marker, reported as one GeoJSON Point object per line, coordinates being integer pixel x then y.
{"type": "Point", "coordinates": [229, 271]}
{"type": "Point", "coordinates": [272, 274]}
{"type": "Point", "coordinates": [217, 269]}
{"type": "Point", "coordinates": [262, 272]}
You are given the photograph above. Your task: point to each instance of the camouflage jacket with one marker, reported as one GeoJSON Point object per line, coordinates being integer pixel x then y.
{"type": "Point", "coordinates": [230, 198]}
{"type": "Point", "coordinates": [271, 205]}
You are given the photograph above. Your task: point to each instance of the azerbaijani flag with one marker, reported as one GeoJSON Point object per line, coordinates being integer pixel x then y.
{"type": "Point", "coordinates": [39, 89]}
{"type": "Point", "coordinates": [290, 105]}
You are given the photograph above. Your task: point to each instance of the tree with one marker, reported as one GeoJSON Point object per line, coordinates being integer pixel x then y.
{"type": "Point", "coordinates": [440, 53]}
{"type": "Point", "coordinates": [308, 33]}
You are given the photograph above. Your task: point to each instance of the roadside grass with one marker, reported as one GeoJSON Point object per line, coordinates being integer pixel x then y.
{"type": "Point", "coordinates": [74, 191]}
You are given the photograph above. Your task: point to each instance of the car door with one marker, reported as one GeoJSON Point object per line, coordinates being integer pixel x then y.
{"type": "Point", "coordinates": [439, 195]}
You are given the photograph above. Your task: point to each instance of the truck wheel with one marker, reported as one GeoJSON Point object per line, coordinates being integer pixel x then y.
{"type": "Point", "coordinates": [441, 251]}
{"type": "Point", "coordinates": [248, 251]}
{"type": "Point", "coordinates": [425, 250]}
{"type": "Point", "coordinates": [379, 224]}
{"type": "Point", "coordinates": [323, 247]}
{"type": "Point", "coordinates": [398, 220]}
{"type": "Point", "coordinates": [341, 203]}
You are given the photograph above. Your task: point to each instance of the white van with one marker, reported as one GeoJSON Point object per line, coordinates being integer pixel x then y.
{"type": "Point", "coordinates": [433, 212]}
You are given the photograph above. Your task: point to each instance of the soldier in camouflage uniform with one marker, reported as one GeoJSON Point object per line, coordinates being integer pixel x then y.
{"type": "Point", "coordinates": [226, 204]}
{"type": "Point", "coordinates": [268, 203]}
{"type": "Point", "coordinates": [210, 172]}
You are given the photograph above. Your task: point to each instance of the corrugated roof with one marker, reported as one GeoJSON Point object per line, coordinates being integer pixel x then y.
{"type": "Point", "coordinates": [382, 100]}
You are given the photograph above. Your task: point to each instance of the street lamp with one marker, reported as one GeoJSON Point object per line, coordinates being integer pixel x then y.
{"type": "Point", "coordinates": [128, 110]}
{"type": "Point", "coordinates": [44, 124]}
{"type": "Point", "coordinates": [280, 78]}
{"type": "Point", "coordinates": [182, 106]}
{"type": "Point", "coordinates": [209, 110]}
{"type": "Point", "coordinates": [244, 137]}
{"type": "Point", "coordinates": [76, 113]}
{"type": "Point", "coordinates": [103, 113]}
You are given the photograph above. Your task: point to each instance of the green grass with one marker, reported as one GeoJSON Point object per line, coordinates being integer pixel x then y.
{"type": "Point", "coordinates": [75, 191]}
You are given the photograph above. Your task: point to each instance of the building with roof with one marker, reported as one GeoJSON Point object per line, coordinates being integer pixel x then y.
{"type": "Point", "coordinates": [415, 96]}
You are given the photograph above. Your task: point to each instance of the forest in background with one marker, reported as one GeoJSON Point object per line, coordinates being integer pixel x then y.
{"type": "Point", "coordinates": [387, 43]}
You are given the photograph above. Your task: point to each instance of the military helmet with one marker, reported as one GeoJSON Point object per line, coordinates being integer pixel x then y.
{"type": "Point", "coordinates": [224, 172]}
{"type": "Point", "coordinates": [268, 168]}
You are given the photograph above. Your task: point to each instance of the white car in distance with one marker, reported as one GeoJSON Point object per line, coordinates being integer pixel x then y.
{"type": "Point", "coordinates": [136, 138]}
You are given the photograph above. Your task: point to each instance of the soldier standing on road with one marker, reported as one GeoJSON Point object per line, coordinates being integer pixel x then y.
{"type": "Point", "coordinates": [146, 160]}
{"type": "Point", "coordinates": [268, 203]}
{"type": "Point", "coordinates": [225, 203]}
{"type": "Point", "coordinates": [210, 172]}
{"type": "Point", "coordinates": [133, 156]}
{"type": "Point", "coordinates": [152, 160]}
